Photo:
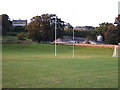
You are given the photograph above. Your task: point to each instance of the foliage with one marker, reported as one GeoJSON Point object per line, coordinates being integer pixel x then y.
{"type": "Point", "coordinates": [118, 27]}
{"type": "Point", "coordinates": [112, 35]}
{"type": "Point", "coordinates": [87, 40]}
{"type": "Point", "coordinates": [6, 24]}
{"type": "Point", "coordinates": [0, 24]}
{"type": "Point", "coordinates": [18, 29]}
{"type": "Point", "coordinates": [77, 33]}
{"type": "Point", "coordinates": [68, 27]}
{"type": "Point", "coordinates": [109, 33]}
{"type": "Point", "coordinates": [42, 28]}
{"type": "Point", "coordinates": [21, 36]}
{"type": "Point", "coordinates": [101, 30]}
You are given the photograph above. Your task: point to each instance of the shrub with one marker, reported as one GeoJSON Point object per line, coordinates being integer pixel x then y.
{"type": "Point", "coordinates": [87, 40]}
{"type": "Point", "coordinates": [21, 36]}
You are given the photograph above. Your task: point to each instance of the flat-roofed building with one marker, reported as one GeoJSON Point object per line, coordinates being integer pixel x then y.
{"type": "Point", "coordinates": [85, 28]}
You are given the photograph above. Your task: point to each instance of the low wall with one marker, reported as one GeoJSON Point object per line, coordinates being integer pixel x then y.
{"type": "Point", "coordinates": [88, 45]}
{"type": "Point", "coordinates": [95, 45]}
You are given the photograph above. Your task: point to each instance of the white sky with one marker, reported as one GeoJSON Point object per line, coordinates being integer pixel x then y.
{"type": "Point", "coordinates": [76, 12]}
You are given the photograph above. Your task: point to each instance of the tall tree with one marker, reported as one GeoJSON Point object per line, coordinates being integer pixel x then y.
{"type": "Point", "coordinates": [112, 35]}
{"type": "Point", "coordinates": [6, 23]}
{"type": "Point", "coordinates": [41, 28]}
{"type": "Point", "coordinates": [68, 26]}
{"type": "Point", "coordinates": [0, 25]}
{"type": "Point", "coordinates": [117, 21]}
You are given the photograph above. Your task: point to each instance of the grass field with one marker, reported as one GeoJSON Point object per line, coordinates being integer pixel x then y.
{"type": "Point", "coordinates": [35, 66]}
{"type": "Point", "coordinates": [12, 37]}
{"type": "Point", "coordinates": [9, 37]}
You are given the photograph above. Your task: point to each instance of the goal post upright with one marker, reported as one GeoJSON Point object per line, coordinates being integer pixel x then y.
{"type": "Point", "coordinates": [116, 51]}
{"type": "Point", "coordinates": [73, 42]}
{"type": "Point", "coordinates": [55, 33]}
{"type": "Point", "coordinates": [73, 33]}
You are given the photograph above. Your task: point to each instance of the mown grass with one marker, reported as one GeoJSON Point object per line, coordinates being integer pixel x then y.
{"type": "Point", "coordinates": [12, 36]}
{"type": "Point", "coordinates": [35, 66]}
{"type": "Point", "coordinates": [9, 37]}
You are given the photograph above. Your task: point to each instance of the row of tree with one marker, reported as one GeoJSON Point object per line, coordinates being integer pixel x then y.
{"type": "Point", "coordinates": [109, 32]}
{"type": "Point", "coordinates": [42, 28]}
{"type": "Point", "coordinates": [83, 33]}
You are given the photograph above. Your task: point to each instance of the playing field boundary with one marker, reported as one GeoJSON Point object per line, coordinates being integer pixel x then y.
{"type": "Point", "coordinates": [89, 45]}
{"type": "Point", "coordinates": [69, 44]}
{"type": "Point", "coordinates": [95, 45]}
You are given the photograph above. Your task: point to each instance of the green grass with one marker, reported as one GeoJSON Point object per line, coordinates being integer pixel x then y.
{"type": "Point", "coordinates": [9, 37]}
{"type": "Point", "coordinates": [35, 66]}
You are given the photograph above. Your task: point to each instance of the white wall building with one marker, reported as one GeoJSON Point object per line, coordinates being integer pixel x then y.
{"type": "Point", "coordinates": [19, 22]}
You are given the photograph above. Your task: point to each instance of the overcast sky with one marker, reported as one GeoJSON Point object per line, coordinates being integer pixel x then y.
{"type": "Point", "coordinates": [76, 12]}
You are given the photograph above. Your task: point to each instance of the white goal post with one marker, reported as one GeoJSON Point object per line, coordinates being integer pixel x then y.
{"type": "Point", "coordinates": [116, 51]}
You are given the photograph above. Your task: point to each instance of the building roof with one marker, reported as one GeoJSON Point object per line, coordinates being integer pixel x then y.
{"type": "Point", "coordinates": [19, 20]}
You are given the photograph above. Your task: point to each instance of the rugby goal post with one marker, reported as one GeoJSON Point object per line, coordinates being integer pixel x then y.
{"type": "Point", "coordinates": [116, 51]}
